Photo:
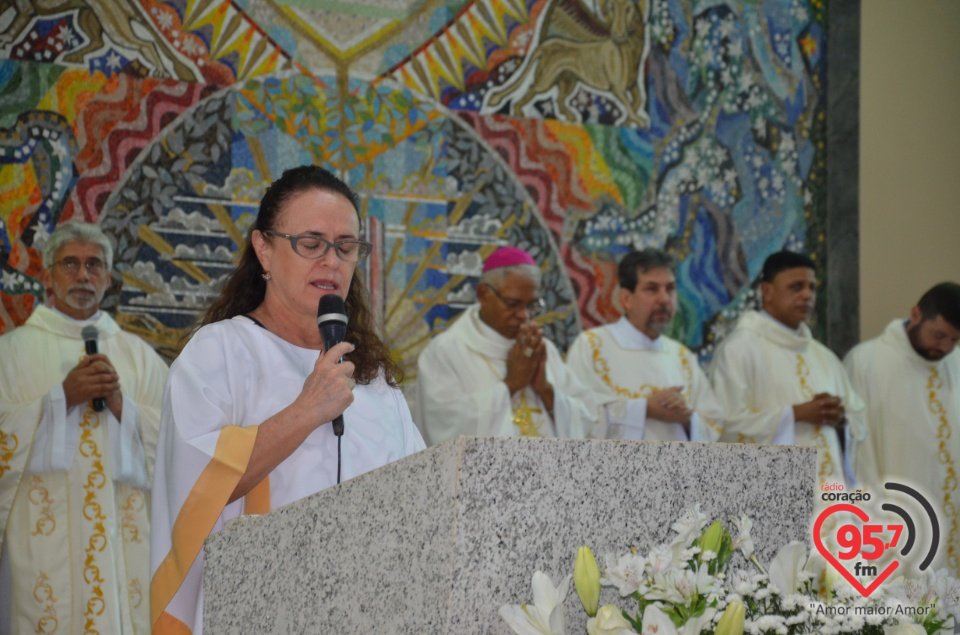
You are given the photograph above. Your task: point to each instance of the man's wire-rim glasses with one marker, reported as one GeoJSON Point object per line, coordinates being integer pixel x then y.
{"type": "Point", "coordinates": [534, 308]}
{"type": "Point", "coordinates": [94, 266]}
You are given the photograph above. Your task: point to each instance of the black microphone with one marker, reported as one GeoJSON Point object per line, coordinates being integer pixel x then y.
{"type": "Point", "coordinates": [332, 322]}
{"type": "Point", "coordinates": [90, 335]}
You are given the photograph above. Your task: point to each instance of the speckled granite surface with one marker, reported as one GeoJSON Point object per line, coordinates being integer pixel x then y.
{"type": "Point", "coordinates": [437, 542]}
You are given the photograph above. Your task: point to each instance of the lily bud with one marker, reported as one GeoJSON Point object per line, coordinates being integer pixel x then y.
{"type": "Point", "coordinates": [586, 577]}
{"type": "Point", "coordinates": [712, 538]}
{"type": "Point", "coordinates": [609, 621]}
{"type": "Point", "coordinates": [732, 620]}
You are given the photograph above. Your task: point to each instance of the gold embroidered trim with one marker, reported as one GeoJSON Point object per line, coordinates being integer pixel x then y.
{"type": "Point", "coordinates": [49, 622]}
{"type": "Point", "coordinates": [523, 418]}
{"type": "Point", "coordinates": [934, 384]}
{"type": "Point", "coordinates": [93, 512]}
{"type": "Point", "coordinates": [39, 496]}
{"type": "Point", "coordinates": [522, 414]}
{"type": "Point", "coordinates": [826, 465]}
{"type": "Point", "coordinates": [602, 368]}
{"type": "Point", "coordinates": [803, 371]}
{"type": "Point", "coordinates": [135, 503]}
{"type": "Point", "coordinates": [687, 371]}
{"type": "Point", "coordinates": [135, 593]}
{"type": "Point", "coordinates": [8, 444]}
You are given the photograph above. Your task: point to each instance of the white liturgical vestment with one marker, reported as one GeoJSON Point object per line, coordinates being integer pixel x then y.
{"type": "Point", "coordinates": [913, 427]}
{"type": "Point", "coordinates": [232, 376]}
{"type": "Point", "coordinates": [624, 367]}
{"type": "Point", "coordinates": [461, 389]}
{"type": "Point", "coordinates": [74, 483]}
{"type": "Point", "coordinates": [762, 369]}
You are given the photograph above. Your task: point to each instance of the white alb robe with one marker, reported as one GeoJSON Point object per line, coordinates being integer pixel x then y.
{"type": "Point", "coordinates": [624, 368]}
{"type": "Point", "coordinates": [74, 484]}
{"type": "Point", "coordinates": [913, 428]}
{"type": "Point", "coordinates": [232, 376]}
{"type": "Point", "coordinates": [762, 369]}
{"type": "Point", "coordinates": [461, 389]}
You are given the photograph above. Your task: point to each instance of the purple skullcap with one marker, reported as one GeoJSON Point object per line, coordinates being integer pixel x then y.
{"type": "Point", "coordinates": [507, 257]}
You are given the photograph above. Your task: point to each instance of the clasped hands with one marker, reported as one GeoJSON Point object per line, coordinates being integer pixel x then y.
{"type": "Point", "coordinates": [668, 405]}
{"type": "Point", "coordinates": [823, 409]}
{"type": "Point", "coordinates": [527, 364]}
{"type": "Point", "coordinates": [92, 378]}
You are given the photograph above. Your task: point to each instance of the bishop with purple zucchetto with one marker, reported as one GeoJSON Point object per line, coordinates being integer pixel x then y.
{"type": "Point", "coordinates": [493, 373]}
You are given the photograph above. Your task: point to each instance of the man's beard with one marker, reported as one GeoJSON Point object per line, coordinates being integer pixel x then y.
{"type": "Point", "coordinates": [659, 321]}
{"type": "Point", "coordinates": [913, 334]}
{"type": "Point", "coordinates": [84, 301]}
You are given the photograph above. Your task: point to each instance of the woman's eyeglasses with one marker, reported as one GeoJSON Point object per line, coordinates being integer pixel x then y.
{"type": "Point", "coordinates": [312, 247]}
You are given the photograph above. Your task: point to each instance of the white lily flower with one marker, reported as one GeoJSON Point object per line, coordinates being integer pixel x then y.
{"type": "Point", "coordinates": [661, 559]}
{"type": "Point", "coordinates": [743, 541]}
{"type": "Point", "coordinates": [905, 628]}
{"type": "Point", "coordinates": [545, 617]}
{"type": "Point", "coordinates": [688, 526]}
{"type": "Point", "coordinates": [947, 589]}
{"type": "Point", "coordinates": [625, 573]}
{"type": "Point", "coordinates": [681, 586]}
{"type": "Point", "coordinates": [656, 622]}
{"type": "Point", "coordinates": [695, 625]}
{"type": "Point", "coordinates": [786, 567]}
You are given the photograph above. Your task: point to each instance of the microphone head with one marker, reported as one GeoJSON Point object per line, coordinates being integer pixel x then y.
{"type": "Point", "coordinates": [331, 307]}
{"type": "Point", "coordinates": [89, 332]}
{"type": "Point", "coordinates": [332, 320]}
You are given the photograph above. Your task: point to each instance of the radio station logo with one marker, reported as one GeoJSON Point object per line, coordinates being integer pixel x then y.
{"type": "Point", "coordinates": [861, 546]}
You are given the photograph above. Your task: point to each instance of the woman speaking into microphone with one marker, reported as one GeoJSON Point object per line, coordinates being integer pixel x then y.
{"type": "Point", "coordinates": [246, 423]}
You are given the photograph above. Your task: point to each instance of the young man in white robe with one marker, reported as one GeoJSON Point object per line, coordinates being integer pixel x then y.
{"type": "Point", "coordinates": [651, 386]}
{"type": "Point", "coordinates": [777, 384]}
{"type": "Point", "coordinates": [74, 476]}
{"type": "Point", "coordinates": [492, 373]}
{"type": "Point", "coordinates": [909, 378]}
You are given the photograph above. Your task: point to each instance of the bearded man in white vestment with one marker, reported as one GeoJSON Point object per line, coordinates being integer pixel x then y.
{"type": "Point", "coordinates": [75, 473]}
{"type": "Point", "coordinates": [251, 401]}
{"type": "Point", "coordinates": [909, 378]}
{"type": "Point", "coordinates": [651, 386]}
{"type": "Point", "coordinates": [777, 384]}
{"type": "Point", "coordinates": [493, 373]}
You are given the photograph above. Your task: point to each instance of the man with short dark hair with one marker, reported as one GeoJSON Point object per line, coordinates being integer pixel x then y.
{"type": "Point", "coordinates": [77, 444]}
{"type": "Point", "coordinates": [776, 383]}
{"type": "Point", "coordinates": [651, 386]}
{"type": "Point", "coordinates": [909, 378]}
{"type": "Point", "coordinates": [493, 373]}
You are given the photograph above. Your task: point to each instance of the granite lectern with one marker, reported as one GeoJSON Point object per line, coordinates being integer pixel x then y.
{"type": "Point", "coordinates": [437, 542]}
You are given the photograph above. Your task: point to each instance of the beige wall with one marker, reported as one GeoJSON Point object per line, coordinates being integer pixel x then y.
{"type": "Point", "coordinates": [909, 154]}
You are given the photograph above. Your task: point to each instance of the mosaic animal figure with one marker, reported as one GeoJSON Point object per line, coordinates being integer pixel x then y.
{"type": "Point", "coordinates": [573, 47]}
{"type": "Point", "coordinates": [96, 18]}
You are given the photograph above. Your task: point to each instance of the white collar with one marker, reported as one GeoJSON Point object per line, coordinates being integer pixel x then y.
{"type": "Point", "coordinates": [49, 319]}
{"type": "Point", "coordinates": [630, 337]}
{"type": "Point", "coordinates": [480, 336]}
{"type": "Point", "coordinates": [797, 331]}
{"type": "Point", "coordinates": [90, 320]}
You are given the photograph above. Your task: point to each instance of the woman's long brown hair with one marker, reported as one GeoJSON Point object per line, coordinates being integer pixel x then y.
{"type": "Point", "coordinates": [244, 290]}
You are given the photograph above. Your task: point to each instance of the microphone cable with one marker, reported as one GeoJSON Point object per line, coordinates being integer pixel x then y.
{"type": "Point", "coordinates": [339, 437]}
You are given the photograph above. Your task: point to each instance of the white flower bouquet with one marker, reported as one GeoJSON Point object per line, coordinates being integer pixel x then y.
{"type": "Point", "coordinates": [687, 587]}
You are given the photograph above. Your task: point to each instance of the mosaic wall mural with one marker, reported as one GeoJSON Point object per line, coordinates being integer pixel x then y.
{"type": "Point", "coordinates": [578, 129]}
